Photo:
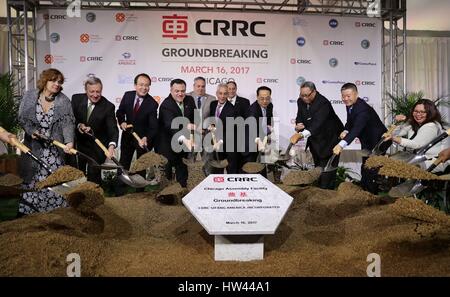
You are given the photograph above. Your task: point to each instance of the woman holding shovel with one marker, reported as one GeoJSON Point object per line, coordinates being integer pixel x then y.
{"type": "Point", "coordinates": [48, 112]}
{"type": "Point", "coordinates": [423, 125]}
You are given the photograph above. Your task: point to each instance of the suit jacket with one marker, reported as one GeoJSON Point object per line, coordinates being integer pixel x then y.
{"type": "Point", "coordinates": [256, 112]}
{"type": "Point", "coordinates": [168, 111]}
{"type": "Point", "coordinates": [363, 122]}
{"type": "Point", "coordinates": [323, 123]}
{"type": "Point", "coordinates": [241, 106]}
{"type": "Point", "coordinates": [145, 123]}
{"type": "Point", "coordinates": [205, 108]}
{"type": "Point", "coordinates": [102, 121]}
{"type": "Point", "coordinates": [227, 113]}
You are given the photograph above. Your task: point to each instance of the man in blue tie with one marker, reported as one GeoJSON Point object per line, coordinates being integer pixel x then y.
{"type": "Point", "coordinates": [362, 122]}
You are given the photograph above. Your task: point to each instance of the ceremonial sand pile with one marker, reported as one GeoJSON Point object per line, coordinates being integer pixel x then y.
{"type": "Point", "coordinates": [302, 177]}
{"type": "Point", "coordinates": [252, 167]}
{"type": "Point", "coordinates": [61, 175]}
{"type": "Point", "coordinates": [324, 233]}
{"type": "Point", "coordinates": [85, 197]}
{"type": "Point", "coordinates": [147, 160]}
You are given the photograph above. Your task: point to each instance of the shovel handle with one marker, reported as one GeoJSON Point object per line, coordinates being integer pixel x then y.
{"type": "Point", "coordinates": [22, 147]}
{"type": "Point", "coordinates": [100, 144]}
{"type": "Point", "coordinates": [63, 146]}
{"type": "Point", "coordinates": [136, 136]}
{"type": "Point", "coordinates": [129, 126]}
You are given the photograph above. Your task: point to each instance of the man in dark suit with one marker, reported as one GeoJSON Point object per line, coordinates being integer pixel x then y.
{"type": "Point", "coordinates": [317, 121]}
{"type": "Point", "coordinates": [262, 111]}
{"type": "Point", "coordinates": [241, 106]}
{"type": "Point", "coordinates": [139, 109]}
{"type": "Point", "coordinates": [223, 111]}
{"type": "Point", "coordinates": [94, 112]}
{"type": "Point", "coordinates": [175, 143]}
{"type": "Point", "coordinates": [362, 122]}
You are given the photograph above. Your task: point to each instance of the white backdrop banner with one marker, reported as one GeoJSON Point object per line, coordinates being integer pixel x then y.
{"type": "Point", "coordinates": [277, 50]}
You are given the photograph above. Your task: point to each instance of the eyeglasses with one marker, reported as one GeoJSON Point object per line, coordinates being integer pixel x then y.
{"type": "Point", "coordinates": [58, 81]}
{"type": "Point", "coordinates": [306, 96]}
{"type": "Point", "coordinates": [420, 111]}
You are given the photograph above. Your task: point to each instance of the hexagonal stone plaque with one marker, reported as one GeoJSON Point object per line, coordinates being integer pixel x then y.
{"type": "Point", "coordinates": [237, 204]}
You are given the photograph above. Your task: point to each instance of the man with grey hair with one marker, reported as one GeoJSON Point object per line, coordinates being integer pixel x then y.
{"type": "Point", "coordinates": [317, 121]}
{"type": "Point", "coordinates": [201, 98]}
{"type": "Point", "coordinates": [94, 113]}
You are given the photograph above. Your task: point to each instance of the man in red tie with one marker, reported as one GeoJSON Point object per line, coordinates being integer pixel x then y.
{"type": "Point", "coordinates": [139, 109]}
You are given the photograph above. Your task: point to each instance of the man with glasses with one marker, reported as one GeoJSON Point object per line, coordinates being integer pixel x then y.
{"type": "Point", "coordinates": [317, 121]}
{"type": "Point", "coordinates": [362, 122]}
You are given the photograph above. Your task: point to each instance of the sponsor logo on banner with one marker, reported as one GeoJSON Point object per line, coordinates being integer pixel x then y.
{"type": "Point", "coordinates": [54, 17]}
{"type": "Point", "coordinates": [118, 99]}
{"type": "Point", "coordinates": [333, 23]}
{"type": "Point", "coordinates": [293, 101]}
{"type": "Point", "coordinates": [127, 37]}
{"type": "Point", "coordinates": [125, 79]}
{"type": "Point", "coordinates": [300, 80]}
{"type": "Point", "coordinates": [48, 59]}
{"type": "Point", "coordinates": [219, 179]}
{"type": "Point", "coordinates": [89, 38]}
{"type": "Point", "coordinates": [122, 17]}
{"type": "Point", "coordinates": [336, 101]}
{"type": "Point", "coordinates": [299, 21]}
{"type": "Point", "coordinates": [333, 62]}
{"type": "Point", "coordinates": [91, 17]}
{"type": "Point", "coordinates": [90, 75]}
{"type": "Point", "coordinates": [301, 41]}
{"type": "Point", "coordinates": [365, 63]}
{"type": "Point", "coordinates": [207, 27]}
{"type": "Point", "coordinates": [365, 83]}
{"type": "Point", "coordinates": [161, 79]}
{"type": "Point", "coordinates": [365, 25]}
{"type": "Point", "coordinates": [365, 44]}
{"type": "Point", "coordinates": [54, 37]}
{"type": "Point", "coordinates": [91, 59]}
{"type": "Point", "coordinates": [333, 82]}
{"type": "Point", "coordinates": [333, 42]}
{"type": "Point", "coordinates": [53, 59]}
{"type": "Point", "coordinates": [260, 80]}
{"type": "Point", "coordinates": [300, 61]}
{"type": "Point", "coordinates": [126, 59]}
{"type": "Point", "coordinates": [365, 98]}
{"type": "Point", "coordinates": [175, 26]}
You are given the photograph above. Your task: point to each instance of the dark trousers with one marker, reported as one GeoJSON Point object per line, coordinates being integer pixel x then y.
{"type": "Point", "coordinates": [181, 170]}
{"type": "Point", "coordinates": [93, 174]}
{"type": "Point", "coordinates": [369, 178]}
{"type": "Point", "coordinates": [128, 146]}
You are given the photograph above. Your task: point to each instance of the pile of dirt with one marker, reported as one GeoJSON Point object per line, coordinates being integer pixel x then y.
{"type": "Point", "coordinates": [396, 168]}
{"type": "Point", "coordinates": [324, 233]}
{"type": "Point", "coordinates": [171, 194]}
{"type": "Point", "coordinates": [10, 180]}
{"type": "Point", "coordinates": [195, 175]}
{"type": "Point", "coordinates": [61, 175]}
{"type": "Point", "coordinates": [148, 160]}
{"type": "Point", "coordinates": [85, 197]}
{"type": "Point", "coordinates": [302, 177]}
{"type": "Point", "coordinates": [253, 167]}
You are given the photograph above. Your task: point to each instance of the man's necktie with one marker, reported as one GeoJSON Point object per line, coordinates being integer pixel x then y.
{"type": "Point", "coordinates": [136, 106]}
{"type": "Point", "coordinates": [219, 107]}
{"type": "Point", "coordinates": [180, 105]}
{"type": "Point", "coordinates": [199, 102]}
{"type": "Point", "coordinates": [89, 110]}
{"type": "Point", "coordinates": [350, 110]}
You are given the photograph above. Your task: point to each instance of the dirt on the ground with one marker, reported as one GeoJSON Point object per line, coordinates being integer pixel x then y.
{"type": "Point", "coordinates": [324, 233]}
{"type": "Point", "coordinates": [396, 168]}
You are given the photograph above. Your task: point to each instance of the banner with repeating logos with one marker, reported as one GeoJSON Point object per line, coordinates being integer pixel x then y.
{"type": "Point", "coordinates": [276, 50]}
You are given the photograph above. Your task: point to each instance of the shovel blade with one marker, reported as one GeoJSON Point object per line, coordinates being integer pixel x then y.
{"type": "Point", "coordinates": [329, 167]}
{"type": "Point", "coordinates": [67, 186]}
{"type": "Point", "coordinates": [408, 188]}
{"type": "Point", "coordinates": [135, 180]}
